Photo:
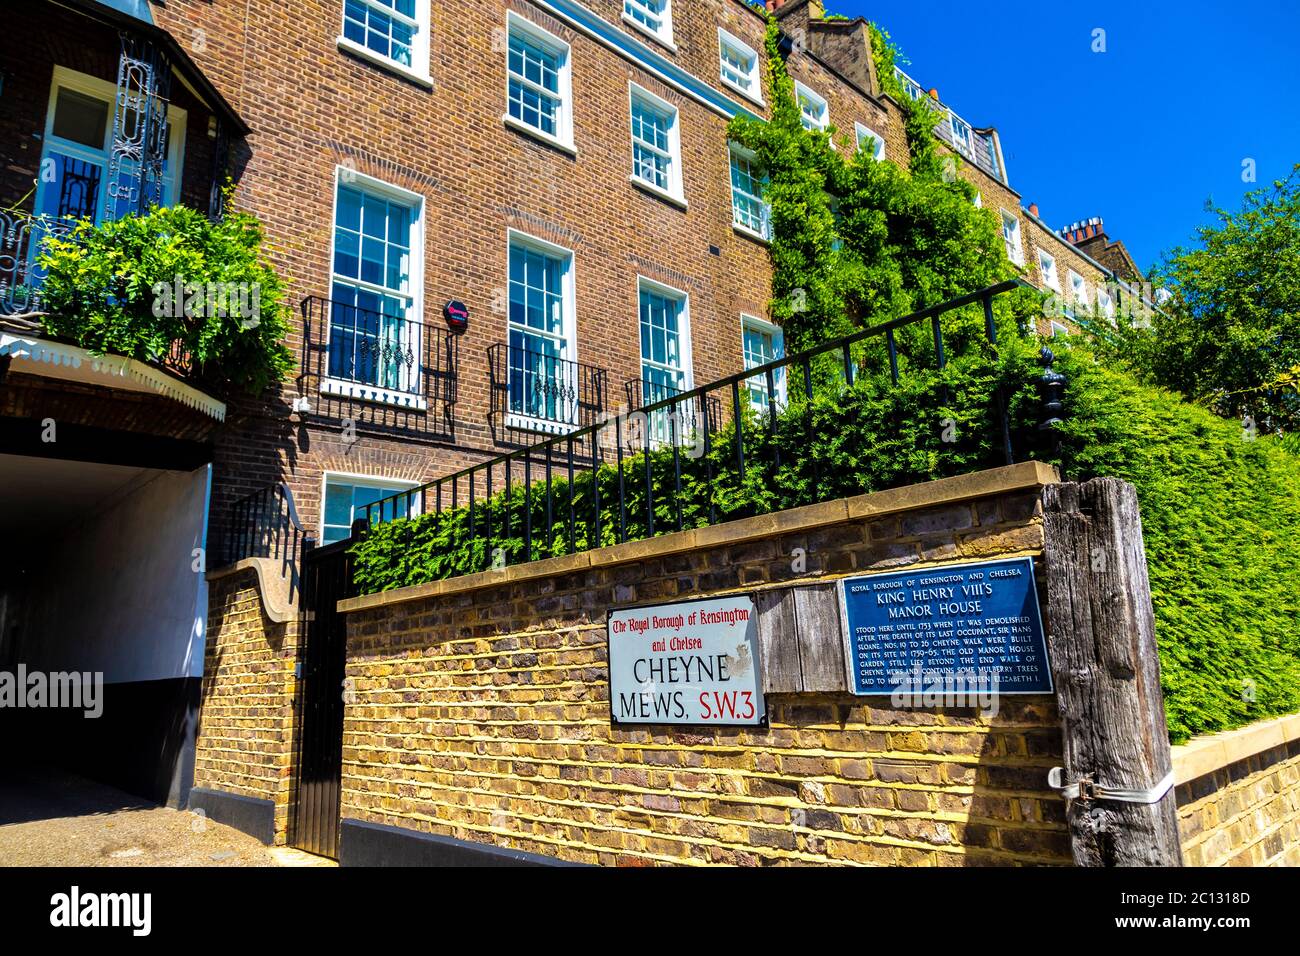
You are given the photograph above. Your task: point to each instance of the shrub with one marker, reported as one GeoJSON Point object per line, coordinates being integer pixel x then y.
{"type": "Point", "coordinates": [111, 288]}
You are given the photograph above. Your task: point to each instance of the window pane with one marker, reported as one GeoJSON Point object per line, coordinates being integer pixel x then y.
{"type": "Point", "coordinates": [651, 159]}
{"type": "Point", "coordinates": [76, 190]}
{"type": "Point", "coordinates": [649, 13]}
{"type": "Point", "coordinates": [737, 66]}
{"type": "Point", "coordinates": [80, 118]}
{"type": "Point", "coordinates": [534, 84]}
{"type": "Point", "coordinates": [540, 382]}
{"type": "Point", "coordinates": [369, 340]}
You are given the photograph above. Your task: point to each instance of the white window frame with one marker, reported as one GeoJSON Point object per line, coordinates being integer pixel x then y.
{"type": "Point", "coordinates": [569, 298]}
{"type": "Point", "coordinates": [863, 131]}
{"type": "Point", "coordinates": [766, 210]}
{"type": "Point", "coordinates": [563, 140]}
{"type": "Point", "coordinates": [664, 34]}
{"type": "Point", "coordinates": [346, 176]}
{"type": "Point", "coordinates": [418, 71]}
{"type": "Point", "coordinates": [909, 85]}
{"type": "Point", "coordinates": [674, 193]}
{"type": "Point", "coordinates": [1105, 303]}
{"type": "Point", "coordinates": [1016, 254]}
{"type": "Point", "coordinates": [967, 146]}
{"type": "Point", "coordinates": [659, 433]}
{"type": "Point", "coordinates": [1079, 289]}
{"type": "Point", "coordinates": [95, 88]}
{"type": "Point", "coordinates": [802, 92]}
{"type": "Point", "coordinates": [740, 47]}
{"type": "Point", "coordinates": [365, 481]}
{"type": "Point", "coordinates": [1059, 328]}
{"type": "Point", "coordinates": [748, 321]}
{"type": "Point", "coordinates": [1047, 269]}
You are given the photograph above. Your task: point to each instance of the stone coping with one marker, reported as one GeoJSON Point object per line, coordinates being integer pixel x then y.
{"type": "Point", "coordinates": [1202, 755]}
{"type": "Point", "coordinates": [272, 586]}
{"type": "Point", "coordinates": [1026, 476]}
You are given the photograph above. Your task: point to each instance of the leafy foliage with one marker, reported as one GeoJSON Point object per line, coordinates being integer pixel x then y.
{"type": "Point", "coordinates": [103, 293]}
{"type": "Point", "coordinates": [859, 241]}
{"type": "Point", "coordinates": [1220, 518]}
{"type": "Point", "coordinates": [1230, 336]}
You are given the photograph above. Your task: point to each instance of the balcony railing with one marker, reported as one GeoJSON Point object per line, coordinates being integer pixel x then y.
{"type": "Point", "coordinates": [384, 370]}
{"type": "Point", "coordinates": [536, 392]}
{"type": "Point", "coordinates": [21, 235]}
{"type": "Point", "coordinates": [672, 422]}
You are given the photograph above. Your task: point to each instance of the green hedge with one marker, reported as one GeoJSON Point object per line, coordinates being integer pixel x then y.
{"type": "Point", "coordinates": [1221, 511]}
{"type": "Point", "coordinates": [1221, 523]}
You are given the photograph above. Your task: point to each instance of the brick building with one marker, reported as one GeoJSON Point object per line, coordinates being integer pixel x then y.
{"type": "Point", "coordinates": [535, 157]}
{"type": "Point", "coordinates": [555, 173]}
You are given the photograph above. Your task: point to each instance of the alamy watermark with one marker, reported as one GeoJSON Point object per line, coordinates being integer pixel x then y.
{"type": "Point", "coordinates": [67, 690]}
{"type": "Point", "coordinates": [920, 687]}
{"type": "Point", "coordinates": [200, 300]}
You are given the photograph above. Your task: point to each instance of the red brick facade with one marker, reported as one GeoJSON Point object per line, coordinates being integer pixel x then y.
{"type": "Point", "coordinates": [317, 110]}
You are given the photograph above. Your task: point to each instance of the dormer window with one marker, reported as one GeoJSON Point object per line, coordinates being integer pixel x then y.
{"type": "Point", "coordinates": [653, 17]}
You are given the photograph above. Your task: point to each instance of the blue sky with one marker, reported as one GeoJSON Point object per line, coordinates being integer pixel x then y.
{"type": "Point", "coordinates": [1140, 135]}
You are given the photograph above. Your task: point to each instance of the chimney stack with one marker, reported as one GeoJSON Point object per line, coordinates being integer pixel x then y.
{"type": "Point", "coordinates": [1080, 232]}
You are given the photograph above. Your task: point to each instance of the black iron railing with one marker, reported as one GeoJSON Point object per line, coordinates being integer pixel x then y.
{"type": "Point", "coordinates": [536, 392]}
{"type": "Point", "coordinates": [21, 235]}
{"type": "Point", "coordinates": [401, 370]}
{"type": "Point", "coordinates": [265, 524]}
{"type": "Point", "coordinates": [501, 522]}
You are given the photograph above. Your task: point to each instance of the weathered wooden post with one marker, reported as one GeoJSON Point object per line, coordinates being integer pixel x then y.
{"type": "Point", "coordinates": [1107, 674]}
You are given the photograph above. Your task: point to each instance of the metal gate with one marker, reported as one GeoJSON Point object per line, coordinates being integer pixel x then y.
{"type": "Point", "coordinates": [326, 580]}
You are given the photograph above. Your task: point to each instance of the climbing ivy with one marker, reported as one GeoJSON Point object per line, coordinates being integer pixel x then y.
{"type": "Point", "coordinates": [855, 241]}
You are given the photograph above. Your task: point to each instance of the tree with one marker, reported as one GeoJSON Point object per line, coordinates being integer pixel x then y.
{"type": "Point", "coordinates": [1229, 337]}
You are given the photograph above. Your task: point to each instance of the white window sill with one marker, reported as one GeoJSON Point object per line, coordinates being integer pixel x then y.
{"type": "Point", "coordinates": [542, 426]}
{"type": "Point", "coordinates": [665, 42]}
{"type": "Point", "coordinates": [538, 135]}
{"type": "Point", "coordinates": [757, 100]}
{"type": "Point", "coordinates": [658, 193]}
{"type": "Point", "coordinates": [749, 233]}
{"type": "Point", "coordinates": [373, 393]}
{"type": "Point", "coordinates": [383, 62]}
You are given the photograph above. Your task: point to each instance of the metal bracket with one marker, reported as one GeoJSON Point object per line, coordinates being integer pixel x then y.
{"type": "Point", "coordinates": [1086, 789]}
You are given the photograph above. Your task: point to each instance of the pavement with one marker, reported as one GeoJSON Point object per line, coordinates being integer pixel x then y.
{"type": "Point", "coordinates": [54, 818]}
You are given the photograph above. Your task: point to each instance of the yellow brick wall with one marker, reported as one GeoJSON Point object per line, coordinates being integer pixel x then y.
{"type": "Point", "coordinates": [1244, 814]}
{"type": "Point", "coordinates": [484, 715]}
{"type": "Point", "coordinates": [246, 720]}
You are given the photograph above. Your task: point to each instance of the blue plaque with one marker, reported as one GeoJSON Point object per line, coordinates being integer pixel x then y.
{"type": "Point", "coordinates": [976, 619]}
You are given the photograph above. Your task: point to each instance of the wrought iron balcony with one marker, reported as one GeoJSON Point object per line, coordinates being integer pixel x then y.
{"type": "Point", "coordinates": [536, 392]}
{"type": "Point", "coordinates": [643, 392]}
{"type": "Point", "coordinates": [401, 370]}
{"type": "Point", "coordinates": [21, 235]}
